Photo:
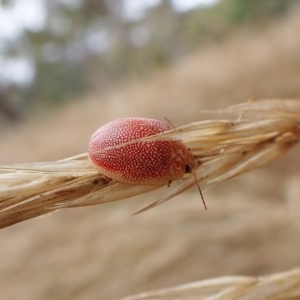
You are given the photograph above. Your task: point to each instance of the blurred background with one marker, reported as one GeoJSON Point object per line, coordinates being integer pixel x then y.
{"type": "Point", "coordinates": [69, 66]}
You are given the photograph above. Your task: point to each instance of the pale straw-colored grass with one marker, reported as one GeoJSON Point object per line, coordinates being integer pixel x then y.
{"type": "Point", "coordinates": [280, 286]}
{"type": "Point", "coordinates": [259, 132]}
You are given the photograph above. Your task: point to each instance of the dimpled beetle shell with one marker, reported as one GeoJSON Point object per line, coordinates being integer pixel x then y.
{"type": "Point", "coordinates": [149, 162]}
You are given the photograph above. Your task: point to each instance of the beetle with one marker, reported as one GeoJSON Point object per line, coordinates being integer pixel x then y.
{"type": "Point", "coordinates": [142, 162]}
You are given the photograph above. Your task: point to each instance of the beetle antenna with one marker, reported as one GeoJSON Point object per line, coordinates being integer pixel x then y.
{"type": "Point", "coordinates": [199, 189]}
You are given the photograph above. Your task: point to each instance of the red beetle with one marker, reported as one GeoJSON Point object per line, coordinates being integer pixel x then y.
{"type": "Point", "coordinates": [142, 162]}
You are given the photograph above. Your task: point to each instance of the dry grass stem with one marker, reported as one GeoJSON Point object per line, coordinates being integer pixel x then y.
{"type": "Point", "coordinates": [281, 286]}
{"type": "Point", "coordinates": [260, 132]}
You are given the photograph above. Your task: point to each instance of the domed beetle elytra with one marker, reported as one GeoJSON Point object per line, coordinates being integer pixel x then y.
{"type": "Point", "coordinates": [143, 162]}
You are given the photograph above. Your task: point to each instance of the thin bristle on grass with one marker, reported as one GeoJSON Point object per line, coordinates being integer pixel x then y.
{"type": "Point", "coordinates": [259, 132]}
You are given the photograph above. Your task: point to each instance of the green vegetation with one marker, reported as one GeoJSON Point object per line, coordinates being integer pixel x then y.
{"type": "Point", "coordinates": [93, 44]}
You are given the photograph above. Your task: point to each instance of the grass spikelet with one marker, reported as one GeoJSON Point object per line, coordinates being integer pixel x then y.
{"type": "Point", "coordinates": [272, 287]}
{"type": "Point", "coordinates": [259, 132]}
